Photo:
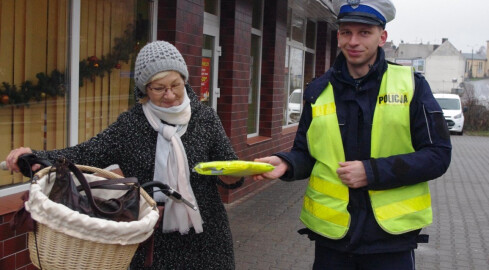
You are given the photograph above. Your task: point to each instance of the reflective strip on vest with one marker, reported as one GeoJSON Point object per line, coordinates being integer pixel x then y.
{"type": "Point", "coordinates": [396, 210]}
{"type": "Point", "coordinates": [326, 198]}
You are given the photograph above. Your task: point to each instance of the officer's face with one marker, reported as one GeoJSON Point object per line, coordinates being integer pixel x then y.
{"type": "Point", "coordinates": [359, 43]}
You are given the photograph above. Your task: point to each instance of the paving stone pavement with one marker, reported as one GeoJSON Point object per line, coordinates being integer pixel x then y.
{"type": "Point", "coordinates": [265, 223]}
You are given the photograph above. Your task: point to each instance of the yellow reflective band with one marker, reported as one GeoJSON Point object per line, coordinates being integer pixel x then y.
{"type": "Point", "coordinates": [386, 197]}
{"type": "Point", "coordinates": [335, 190]}
{"type": "Point", "coordinates": [403, 207]}
{"type": "Point", "coordinates": [324, 109]}
{"type": "Point", "coordinates": [326, 213]}
{"type": "Point", "coordinates": [416, 221]}
{"type": "Point", "coordinates": [322, 227]}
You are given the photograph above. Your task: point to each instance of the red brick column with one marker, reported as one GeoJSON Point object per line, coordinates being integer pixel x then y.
{"type": "Point", "coordinates": [326, 47]}
{"type": "Point", "coordinates": [234, 69]}
{"type": "Point", "coordinates": [322, 48]}
{"type": "Point", "coordinates": [14, 253]}
{"type": "Point", "coordinates": [181, 22]}
{"type": "Point", "coordinates": [334, 47]}
{"type": "Point", "coordinates": [273, 65]}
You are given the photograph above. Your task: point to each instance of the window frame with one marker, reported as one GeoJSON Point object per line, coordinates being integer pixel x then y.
{"type": "Point", "coordinates": [291, 43]}
{"type": "Point", "coordinates": [259, 33]}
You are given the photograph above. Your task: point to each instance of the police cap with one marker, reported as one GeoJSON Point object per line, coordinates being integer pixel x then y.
{"type": "Point", "coordinates": [374, 12]}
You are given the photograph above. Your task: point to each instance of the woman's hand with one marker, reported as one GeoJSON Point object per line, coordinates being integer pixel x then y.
{"type": "Point", "coordinates": [13, 157]}
{"type": "Point", "coordinates": [280, 168]}
{"type": "Point", "coordinates": [229, 180]}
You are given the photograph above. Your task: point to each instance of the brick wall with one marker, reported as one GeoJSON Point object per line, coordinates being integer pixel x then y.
{"type": "Point", "coordinates": [234, 66]}
{"type": "Point", "coordinates": [326, 48]}
{"type": "Point", "coordinates": [234, 69]}
{"type": "Point", "coordinates": [14, 254]}
{"type": "Point", "coordinates": [180, 22]}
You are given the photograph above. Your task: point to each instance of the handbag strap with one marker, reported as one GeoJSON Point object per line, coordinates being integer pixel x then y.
{"type": "Point", "coordinates": [86, 187]}
{"type": "Point", "coordinates": [113, 184]}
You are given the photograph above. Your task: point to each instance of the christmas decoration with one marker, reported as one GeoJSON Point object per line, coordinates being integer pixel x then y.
{"type": "Point", "coordinates": [54, 85]}
{"type": "Point", "coordinates": [4, 99]}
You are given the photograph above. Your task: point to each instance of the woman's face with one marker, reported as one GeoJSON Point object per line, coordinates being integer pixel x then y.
{"type": "Point", "coordinates": [168, 91]}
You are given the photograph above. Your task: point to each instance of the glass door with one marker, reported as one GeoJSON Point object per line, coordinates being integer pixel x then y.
{"type": "Point", "coordinates": [207, 95]}
{"type": "Point", "coordinates": [209, 91]}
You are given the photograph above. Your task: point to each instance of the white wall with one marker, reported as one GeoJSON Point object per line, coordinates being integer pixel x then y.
{"type": "Point", "coordinates": [442, 69]}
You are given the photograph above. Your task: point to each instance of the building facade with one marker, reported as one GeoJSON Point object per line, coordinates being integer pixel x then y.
{"type": "Point", "coordinates": [442, 65]}
{"type": "Point", "coordinates": [475, 65]}
{"type": "Point", "coordinates": [445, 68]}
{"type": "Point", "coordinates": [66, 73]}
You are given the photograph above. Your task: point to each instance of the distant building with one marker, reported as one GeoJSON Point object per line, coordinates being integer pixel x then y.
{"type": "Point", "coordinates": [390, 51]}
{"type": "Point", "coordinates": [445, 68]}
{"type": "Point", "coordinates": [476, 65]}
{"type": "Point", "coordinates": [412, 51]}
{"type": "Point", "coordinates": [442, 65]}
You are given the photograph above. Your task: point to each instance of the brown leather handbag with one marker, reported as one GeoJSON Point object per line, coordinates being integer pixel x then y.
{"type": "Point", "coordinates": [65, 191]}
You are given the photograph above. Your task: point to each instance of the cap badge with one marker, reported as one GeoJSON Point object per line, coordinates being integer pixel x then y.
{"type": "Point", "coordinates": [353, 3]}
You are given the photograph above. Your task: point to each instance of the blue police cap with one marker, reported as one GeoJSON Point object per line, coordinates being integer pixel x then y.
{"type": "Point", "coordinates": [374, 12]}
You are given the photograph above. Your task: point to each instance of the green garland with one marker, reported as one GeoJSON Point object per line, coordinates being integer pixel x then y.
{"type": "Point", "coordinates": [54, 84]}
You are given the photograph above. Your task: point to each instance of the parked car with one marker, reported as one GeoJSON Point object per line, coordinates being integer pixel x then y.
{"type": "Point", "coordinates": [453, 112]}
{"type": "Point", "coordinates": [295, 106]}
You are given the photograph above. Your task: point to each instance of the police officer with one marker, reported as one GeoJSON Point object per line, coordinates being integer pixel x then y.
{"type": "Point", "coordinates": [370, 137]}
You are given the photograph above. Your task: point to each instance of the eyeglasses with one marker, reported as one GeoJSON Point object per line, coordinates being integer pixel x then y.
{"type": "Point", "coordinates": [163, 89]}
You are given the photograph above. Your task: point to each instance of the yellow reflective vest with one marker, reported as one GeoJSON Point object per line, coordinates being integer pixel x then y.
{"type": "Point", "coordinates": [397, 210]}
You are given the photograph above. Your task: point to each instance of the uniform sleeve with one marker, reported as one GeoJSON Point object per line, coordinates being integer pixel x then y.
{"type": "Point", "coordinates": [299, 160]}
{"type": "Point", "coordinates": [430, 139]}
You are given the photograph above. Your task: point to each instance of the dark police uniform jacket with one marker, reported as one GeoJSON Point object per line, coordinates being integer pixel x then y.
{"type": "Point", "coordinates": [355, 104]}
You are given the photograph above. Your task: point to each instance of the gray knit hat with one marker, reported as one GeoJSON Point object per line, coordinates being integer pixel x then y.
{"type": "Point", "coordinates": [154, 58]}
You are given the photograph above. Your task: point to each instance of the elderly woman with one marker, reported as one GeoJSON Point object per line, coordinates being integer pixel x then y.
{"type": "Point", "coordinates": [159, 139]}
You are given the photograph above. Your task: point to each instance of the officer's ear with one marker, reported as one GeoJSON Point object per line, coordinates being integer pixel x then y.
{"type": "Point", "coordinates": [383, 36]}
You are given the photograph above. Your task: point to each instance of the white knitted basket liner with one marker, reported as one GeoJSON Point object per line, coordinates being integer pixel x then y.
{"type": "Point", "coordinates": [62, 219]}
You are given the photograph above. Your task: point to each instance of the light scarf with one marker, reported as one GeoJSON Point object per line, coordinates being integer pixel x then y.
{"type": "Point", "coordinates": [171, 165]}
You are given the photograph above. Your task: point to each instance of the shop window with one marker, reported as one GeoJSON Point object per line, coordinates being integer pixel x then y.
{"type": "Point", "coordinates": [255, 70]}
{"type": "Point", "coordinates": [311, 35]}
{"type": "Point", "coordinates": [254, 92]}
{"type": "Point", "coordinates": [33, 61]}
{"type": "Point", "coordinates": [298, 28]}
{"type": "Point", "coordinates": [35, 74]}
{"type": "Point", "coordinates": [294, 90]}
{"type": "Point", "coordinates": [111, 34]}
{"type": "Point", "coordinates": [299, 64]}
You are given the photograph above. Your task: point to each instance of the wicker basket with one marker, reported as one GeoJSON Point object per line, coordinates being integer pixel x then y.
{"type": "Point", "coordinates": [60, 251]}
{"type": "Point", "coordinates": [52, 249]}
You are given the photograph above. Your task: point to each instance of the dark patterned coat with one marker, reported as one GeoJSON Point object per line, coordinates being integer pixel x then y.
{"type": "Point", "coordinates": [130, 142]}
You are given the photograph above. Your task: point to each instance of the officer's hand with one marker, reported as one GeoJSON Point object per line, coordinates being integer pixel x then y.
{"type": "Point", "coordinates": [352, 174]}
{"type": "Point", "coordinates": [280, 168]}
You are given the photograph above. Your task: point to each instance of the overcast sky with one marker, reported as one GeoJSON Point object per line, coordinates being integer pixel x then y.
{"type": "Point", "coordinates": [464, 22]}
